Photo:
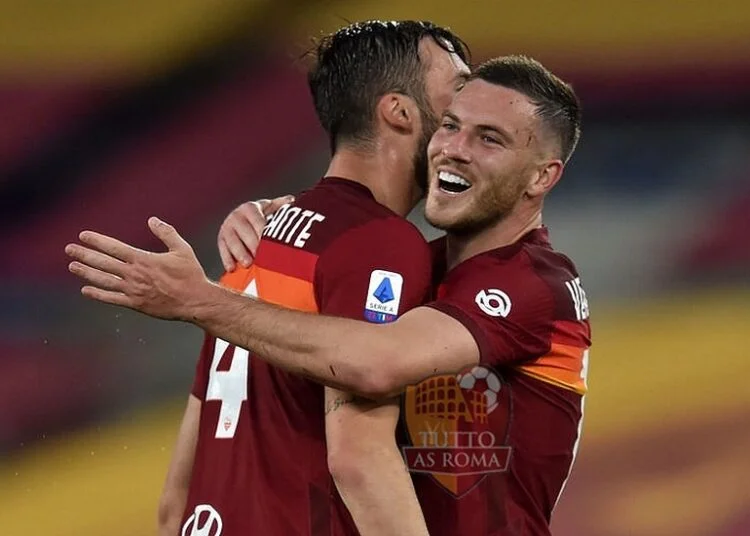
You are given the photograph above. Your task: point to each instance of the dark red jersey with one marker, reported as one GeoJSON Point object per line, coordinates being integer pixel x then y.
{"type": "Point", "coordinates": [260, 467]}
{"type": "Point", "coordinates": [492, 447]}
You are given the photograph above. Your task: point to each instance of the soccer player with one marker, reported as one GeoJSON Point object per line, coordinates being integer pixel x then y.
{"type": "Point", "coordinates": [508, 305]}
{"type": "Point", "coordinates": [269, 445]}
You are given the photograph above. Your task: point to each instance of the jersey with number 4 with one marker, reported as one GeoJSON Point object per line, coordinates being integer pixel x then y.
{"type": "Point", "coordinates": [261, 465]}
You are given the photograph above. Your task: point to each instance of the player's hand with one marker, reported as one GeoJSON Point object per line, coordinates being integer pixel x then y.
{"type": "Point", "coordinates": [240, 233]}
{"type": "Point", "coordinates": [163, 285]}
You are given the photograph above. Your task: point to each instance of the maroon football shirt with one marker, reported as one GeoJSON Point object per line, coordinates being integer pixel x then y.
{"type": "Point", "coordinates": [260, 466]}
{"type": "Point", "coordinates": [492, 447]}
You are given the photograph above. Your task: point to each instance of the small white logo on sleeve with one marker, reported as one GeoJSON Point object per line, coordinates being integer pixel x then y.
{"type": "Point", "coordinates": [383, 296]}
{"type": "Point", "coordinates": [204, 521]}
{"type": "Point", "coordinates": [494, 302]}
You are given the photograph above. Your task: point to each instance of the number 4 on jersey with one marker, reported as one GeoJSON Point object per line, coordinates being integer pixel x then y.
{"type": "Point", "coordinates": [229, 386]}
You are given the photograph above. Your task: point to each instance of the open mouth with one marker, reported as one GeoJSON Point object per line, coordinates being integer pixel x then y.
{"type": "Point", "coordinates": [451, 183]}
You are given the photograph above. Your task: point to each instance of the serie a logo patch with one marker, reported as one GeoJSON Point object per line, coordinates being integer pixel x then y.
{"type": "Point", "coordinates": [383, 296]}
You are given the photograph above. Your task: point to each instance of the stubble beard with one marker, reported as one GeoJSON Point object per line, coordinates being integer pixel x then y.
{"type": "Point", "coordinates": [487, 210]}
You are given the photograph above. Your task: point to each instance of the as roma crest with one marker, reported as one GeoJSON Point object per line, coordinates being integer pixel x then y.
{"type": "Point", "coordinates": [458, 428]}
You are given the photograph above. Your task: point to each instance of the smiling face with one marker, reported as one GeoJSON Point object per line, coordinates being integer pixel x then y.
{"type": "Point", "coordinates": [483, 157]}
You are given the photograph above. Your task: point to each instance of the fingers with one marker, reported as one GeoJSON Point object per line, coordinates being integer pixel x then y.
{"type": "Point", "coordinates": [252, 214]}
{"type": "Point", "coordinates": [248, 222]}
{"type": "Point", "coordinates": [226, 256]}
{"type": "Point", "coordinates": [106, 296]}
{"type": "Point", "coordinates": [269, 207]}
{"type": "Point", "coordinates": [236, 234]}
{"type": "Point", "coordinates": [241, 231]}
{"type": "Point", "coordinates": [237, 249]}
{"type": "Point", "coordinates": [167, 234]}
{"type": "Point", "coordinates": [95, 259]}
{"type": "Point", "coordinates": [96, 277]}
{"type": "Point", "coordinates": [110, 246]}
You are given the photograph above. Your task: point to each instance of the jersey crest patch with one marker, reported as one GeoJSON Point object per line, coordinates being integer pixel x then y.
{"type": "Point", "coordinates": [383, 296]}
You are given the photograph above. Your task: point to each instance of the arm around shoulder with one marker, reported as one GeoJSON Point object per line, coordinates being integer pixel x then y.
{"type": "Point", "coordinates": [423, 343]}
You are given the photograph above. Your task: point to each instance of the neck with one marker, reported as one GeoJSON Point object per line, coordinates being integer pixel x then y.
{"type": "Point", "coordinates": [504, 233]}
{"type": "Point", "coordinates": [385, 171]}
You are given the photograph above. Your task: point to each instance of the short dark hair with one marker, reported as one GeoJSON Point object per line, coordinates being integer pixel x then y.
{"type": "Point", "coordinates": [360, 63]}
{"type": "Point", "coordinates": [557, 104]}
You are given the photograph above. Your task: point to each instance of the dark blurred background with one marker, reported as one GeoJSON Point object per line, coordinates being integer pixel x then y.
{"type": "Point", "coordinates": [114, 111]}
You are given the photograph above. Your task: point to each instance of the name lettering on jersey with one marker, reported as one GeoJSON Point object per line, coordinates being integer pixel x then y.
{"type": "Point", "coordinates": [292, 225]}
{"type": "Point", "coordinates": [580, 303]}
{"type": "Point", "coordinates": [494, 302]}
{"type": "Point", "coordinates": [204, 521]}
{"type": "Point", "coordinates": [383, 296]}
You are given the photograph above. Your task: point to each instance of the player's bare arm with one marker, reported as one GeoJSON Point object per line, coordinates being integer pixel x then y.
{"type": "Point", "coordinates": [367, 467]}
{"type": "Point", "coordinates": [371, 360]}
{"type": "Point", "coordinates": [368, 359]}
{"type": "Point", "coordinates": [174, 495]}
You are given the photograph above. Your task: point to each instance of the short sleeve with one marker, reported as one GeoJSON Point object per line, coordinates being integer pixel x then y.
{"type": "Point", "coordinates": [509, 311]}
{"type": "Point", "coordinates": [375, 272]}
{"type": "Point", "coordinates": [203, 368]}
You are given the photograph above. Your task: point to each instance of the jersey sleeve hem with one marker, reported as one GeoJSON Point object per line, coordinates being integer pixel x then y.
{"type": "Point", "coordinates": [198, 393]}
{"type": "Point", "coordinates": [480, 337]}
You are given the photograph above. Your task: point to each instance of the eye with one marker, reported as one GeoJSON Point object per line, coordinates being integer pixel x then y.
{"type": "Point", "coordinates": [447, 125]}
{"type": "Point", "coordinates": [486, 138]}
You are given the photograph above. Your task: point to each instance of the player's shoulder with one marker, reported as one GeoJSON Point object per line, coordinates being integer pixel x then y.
{"type": "Point", "coordinates": [533, 262]}
{"type": "Point", "coordinates": [554, 269]}
{"type": "Point", "coordinates": [546, 261]}
{"type": "Point", "coordinates": [389, 237]}
{"type": "Point", "coordinates": [528, 274]}
{"type": "Point", "coordinates": [391, 227]}
{"type": "Point", "coordinates": [359, 220]}
{"type": "Point", "coordinates": [557, 277]}
{"type": "Point", "coordinates": [347, 211]}
{"type": "Point", "coordinates": [342, 200]}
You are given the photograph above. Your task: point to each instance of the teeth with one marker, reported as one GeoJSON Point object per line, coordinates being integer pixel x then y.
{"type": "Point", "coordinates": [454, 179]}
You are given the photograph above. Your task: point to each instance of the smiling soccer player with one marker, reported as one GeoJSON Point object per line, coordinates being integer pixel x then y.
{"type": "Point", "coordinates": [507, 302]}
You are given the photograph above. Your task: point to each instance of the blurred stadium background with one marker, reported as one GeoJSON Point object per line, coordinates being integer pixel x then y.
{"type": "Point", "coordinates": [114, 111]}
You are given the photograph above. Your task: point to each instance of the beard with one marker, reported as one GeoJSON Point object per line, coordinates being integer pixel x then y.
{"type": "Point", "coordinates": [430, 123]}
{"type": "Point", "coordinates": [489, 208]}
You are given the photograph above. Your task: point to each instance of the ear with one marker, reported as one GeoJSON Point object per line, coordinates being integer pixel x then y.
{"type": "Point", "coordinates": [399, 112]}
{"type": "Point", "coordinates": [545, 178]}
